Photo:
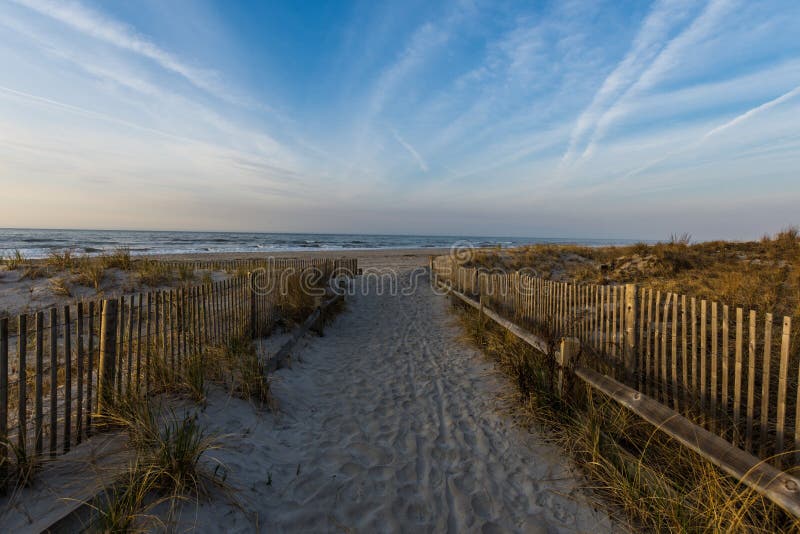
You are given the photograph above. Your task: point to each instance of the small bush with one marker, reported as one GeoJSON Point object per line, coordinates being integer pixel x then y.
{"type": "Point", "coordinates": [90, 272]}
{"type": "Point", "coordinates": [16, 260]}
{"type": "Point", "coordinates": [120, 258]}
{"type": "Point", "coordinates": [185, 272]}
{"type": "Point", "coordinates": [59, 287]}
{"type": "Point", "coordinates": [153, 273]}
{"type": "Point", "coordinates": [23, 471]}
{"type": "Point", "coordinates": [61, 260]}
{"type": "Point", "coordinates": [239, 368]}
{"type": "Point", "coordinates": [121, 507]}
{"type": "Point", "coordinates": [170, 449]}
{"type": "Point", "coordinates": [34, 272]}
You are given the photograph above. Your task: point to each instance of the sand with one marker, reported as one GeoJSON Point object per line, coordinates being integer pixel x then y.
{"type": "Point", "coordinates": [390, 422]}
{"type": "Point", "coordinates": [23, 295]}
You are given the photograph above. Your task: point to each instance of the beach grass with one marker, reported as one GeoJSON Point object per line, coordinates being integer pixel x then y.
{"type": "Point", "coordinates": [647, 478]}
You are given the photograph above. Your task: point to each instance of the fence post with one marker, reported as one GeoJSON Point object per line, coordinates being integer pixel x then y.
{"type": "Point", "coordinates": [570, 347]}
{"type": "Point", "coordinates": [631, 313]}
{"type": "Point", "coordinates": [108, 356]}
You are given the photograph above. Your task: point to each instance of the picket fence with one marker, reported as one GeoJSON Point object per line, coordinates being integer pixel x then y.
{"type": "Point", "coordinates": [50, 359]}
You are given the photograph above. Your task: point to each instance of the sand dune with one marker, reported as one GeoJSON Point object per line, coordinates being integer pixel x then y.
{"type": "Point", "coordinates": [389, 423]}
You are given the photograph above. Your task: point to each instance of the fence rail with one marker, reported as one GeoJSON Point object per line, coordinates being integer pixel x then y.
{"type": "Point", "coordinates": [732, 371]}
{"type": "Point", "coordinates": [622, 330]}
{"type": "Point", "coordinates": [50, 359]}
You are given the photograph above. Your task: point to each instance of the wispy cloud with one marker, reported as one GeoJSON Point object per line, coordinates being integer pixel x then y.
{"type": "Point", "coordinates": [98, 26]}
{"type": "Point", "coordinates": [423, 166]}
{"type": "Point", "coordinates": [663, 18]}
{"type": "Point", "coordinates": [668, 58]}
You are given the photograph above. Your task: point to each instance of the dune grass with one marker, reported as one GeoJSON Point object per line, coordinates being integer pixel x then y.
{"type": "Point", "coordinates": [171, 463]}
{"type": "Point", "coordinates": [647, 479]}
{"type": "Point", "coordinates": [759, 275]}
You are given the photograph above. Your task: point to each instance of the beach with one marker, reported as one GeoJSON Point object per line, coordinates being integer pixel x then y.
{"type": "Point", "coordinates": [389, 422]}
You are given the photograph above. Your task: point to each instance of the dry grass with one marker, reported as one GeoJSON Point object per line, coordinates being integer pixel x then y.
{"type": "Point", "coordinates": [119, 258]}
{"type": "Point", "coordinates": [21, 472]}
{"type": "Point", "coordinates": [60, 287]}
{"type": "Point", "coordinates": [90, 272]}
{"type": "Point", "coordinates": [185, 273]}
{"type": "Point", "coordinates": [171, 463]}
{"type": "Point", "coordinates": [648, 479]}
{"type": "Point", "coordinates": [16, 260]}
{"type": "Point", "coordinates": [762, 276]}
{"type": "Point", "coordinates": [295, 301]}
{"type": "Point", "coordinates": [153, 273]}
{"type": "Point", "coordinates": [61, 260]}
{"type": "Point", "coordinates": [238, 367]}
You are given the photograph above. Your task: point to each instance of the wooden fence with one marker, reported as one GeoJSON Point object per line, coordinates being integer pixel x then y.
{"type": "Point", "coordinates": [50, 360]}
{"type": "Point", "coordinates": [730, 370]}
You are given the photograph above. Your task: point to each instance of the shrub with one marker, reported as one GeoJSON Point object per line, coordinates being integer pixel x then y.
{"type": "Point", "coordinates": [90, 272]}
{"type": "Point", "coordinates": [61, 260]}
{"type": "Point", "coordinates": [59, 287]}
{"type": "Point", "coordinates": [153, 273]}
{"type": "Point", "coordinates": [16, 260]}
{"type": "Point", "coordinates": [120, 258]}
{"type": "Point", "coordinates": [185, 272]}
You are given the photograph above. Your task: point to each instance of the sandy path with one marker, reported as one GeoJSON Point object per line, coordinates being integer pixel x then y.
{"type": "Point", "coordinates": [390, 423]}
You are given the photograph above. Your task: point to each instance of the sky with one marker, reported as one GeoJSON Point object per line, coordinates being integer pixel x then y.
{"type": "Point", "coordinates": [461, 117]}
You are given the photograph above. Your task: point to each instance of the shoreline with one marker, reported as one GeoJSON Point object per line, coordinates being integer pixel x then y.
{"type": "Point", "coordinates": [370, 258]}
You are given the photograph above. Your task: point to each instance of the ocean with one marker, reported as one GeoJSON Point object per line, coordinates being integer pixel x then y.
{"type": "Point", "coordinates": [39, 243]}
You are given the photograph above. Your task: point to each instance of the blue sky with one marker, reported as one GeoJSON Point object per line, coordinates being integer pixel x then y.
{"type": "Point", "coordinates": [564, 118]}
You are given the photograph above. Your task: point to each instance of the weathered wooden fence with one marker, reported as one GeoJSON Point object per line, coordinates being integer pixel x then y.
{"type": "Point", "coordinates": [732, 373]}
{"type": "Point", "coordinates": [50, 360]}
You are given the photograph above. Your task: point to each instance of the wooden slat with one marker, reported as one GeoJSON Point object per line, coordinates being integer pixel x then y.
{"type": "Point", "coordinates": [714, 364]}
{"type": "Point", "coordinates": [751, 381]}
{"type": "Point", "coordinates": [664, 354]}
{"type": "Point", "coordinates": [640, 347]}
{"type": "Point", "coordinates": [737, 370]}
{"type": "Point", "coordinates": [120, 349]}
{"type": "Point", "coordinates": [53, 381]}
{"type": "Point", "coordinates": [80, 370]}
{"type": "Point", "coordinates": [38, 418]}
{"type": "Point", "coordinates": [684, 352]}
{"type": "Point", "coordinates": [783, 378]}
{"type": "Point", "coordinates": [67, 380]}
{"type": "Point", "coordinates": [724, 399]}
{"type": "Point", "coordinates": [139, 326]}
{"type": "Point", "coordinates": [675, 394]}
{"type": "Point", "coordinates": [3, 394]}
{"type": "Point", "coordinates": [765, 380]}
{"type": "Point", "coordinates": [656, 345]}
{"type": "Point", "coordinates": [607, 310]}
{"type": "Point", "coordinates": [22, 401]}
{"type": "Point", "coordinates": [148, 344]}
{"type": "Point", "coordinates": [129, 342]}
{"type": "Point", "coordinates": [693, 332]}
{"type": "Point", "coordinates": [89, 368]}
{"type": "Point", "coordinates": [614, 331]}
{"type": "Point", "coordinates": [650, 364]}
{"type": "Point", "coordinates": [703, 352]}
